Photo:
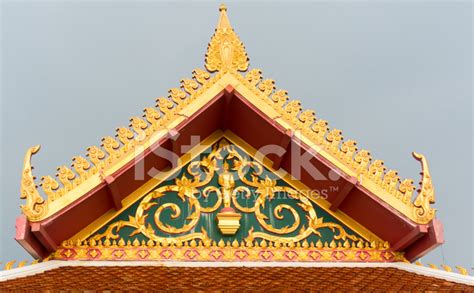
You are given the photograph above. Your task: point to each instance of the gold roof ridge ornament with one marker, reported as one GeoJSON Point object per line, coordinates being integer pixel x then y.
{"type": "Point", "coordinates": [35, 206]}
{"type": "Point", "coordinates": [426, 194]}
{"type": "Point", "coordinates": [225, 57]}
{"type": "Point", "coordinates": [225, 51]}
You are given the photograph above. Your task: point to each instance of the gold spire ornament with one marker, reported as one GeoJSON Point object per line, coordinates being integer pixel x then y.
{"type": "Point", "coordinates": [225, 51]}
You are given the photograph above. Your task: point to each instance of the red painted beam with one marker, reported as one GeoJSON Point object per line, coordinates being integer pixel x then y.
{"type": "Point", "coordinates": [173, 135]}
{"type": "Point", "coordinates": [431, 240]}
{"type": "Point", "coordinates": [114, 192]}
{"type": "Point", "coordinates": [228, 95]}
{"type": "Point", "coordinates": [284, 144]}
{"type": "Point", "coordinates": [25, 238]}
{"type": "Point", "coordinates": [410, 238]}
{"type": "Point", "coordinates": [43, 236]}
{"type": "Point", "coordinates": [251, 124]}
{"type": "Point", "coordinates": [343, 193]}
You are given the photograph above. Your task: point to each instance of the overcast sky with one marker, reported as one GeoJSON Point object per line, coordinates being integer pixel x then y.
{"type": "Point", "coordinates": [396, 76]}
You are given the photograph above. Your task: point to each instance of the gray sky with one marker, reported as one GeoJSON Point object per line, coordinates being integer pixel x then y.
{"type": "Point", "coordinates": [395, 76]}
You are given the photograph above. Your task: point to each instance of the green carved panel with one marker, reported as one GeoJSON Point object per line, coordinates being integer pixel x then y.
{"type": "Point", "coordinates": [187, 205]}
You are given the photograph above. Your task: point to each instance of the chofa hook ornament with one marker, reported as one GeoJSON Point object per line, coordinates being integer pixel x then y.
{"type": "Point", "coordinates": [423, 211]}
{"type": "Point", "coordinates": [35, 206]}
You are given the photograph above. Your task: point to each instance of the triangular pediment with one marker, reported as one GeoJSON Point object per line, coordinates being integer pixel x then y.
{"type": "Point", "coordinates": [223, 198]}
{"type": "Point", "coordinates": [367, 201]}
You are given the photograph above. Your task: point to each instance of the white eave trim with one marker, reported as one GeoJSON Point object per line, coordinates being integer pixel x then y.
{"type": "Point", "coordinates": [54, 264]}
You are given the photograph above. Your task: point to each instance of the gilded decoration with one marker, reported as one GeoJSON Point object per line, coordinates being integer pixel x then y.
{"type": "Point", "coordinates": [226, 185]}
{"type": "Point", "coordinates": [225, 60]}
{"type": "Point", "coordinates": [234, 251]}
{"type": "Point", "coordinates": [225, 51]}
{"type": "Point", "coordinates": [35, 206]}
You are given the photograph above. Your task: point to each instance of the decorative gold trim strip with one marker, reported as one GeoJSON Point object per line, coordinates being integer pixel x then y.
{"type": "Point", "coordinates": [232, 252]}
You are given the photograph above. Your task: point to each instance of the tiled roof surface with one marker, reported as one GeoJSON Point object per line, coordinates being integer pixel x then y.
{"type": "Point", "coordinates": [156, 278]}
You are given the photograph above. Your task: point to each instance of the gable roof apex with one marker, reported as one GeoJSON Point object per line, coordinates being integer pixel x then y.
{"type": "Point", "coordinates": [227, 78]}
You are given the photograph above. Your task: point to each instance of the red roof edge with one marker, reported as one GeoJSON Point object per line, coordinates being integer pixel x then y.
{"type": "Point", "coordinates": [24, 236]}
{"type": "Point", "coordinates": [42, 238]}
{"type": "Point", "coordinates": [428, 242]}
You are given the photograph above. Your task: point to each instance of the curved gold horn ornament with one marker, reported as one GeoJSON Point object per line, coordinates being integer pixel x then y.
{"type": "Point", "coordinates": [423, 211]}
{"type": "Point", "coordinates": [35, 206]}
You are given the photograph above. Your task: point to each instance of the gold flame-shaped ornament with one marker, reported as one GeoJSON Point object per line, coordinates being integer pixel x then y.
{"type": "Point", "coordinates": [35, 206]}
{"type": "Point", "coordinates": [225, 51]}
{"type": "Point", "coordinates": [423, 211]}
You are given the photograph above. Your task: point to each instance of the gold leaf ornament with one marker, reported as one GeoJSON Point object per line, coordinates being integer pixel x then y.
{"type": "Point", "coordinates": [226, 52]}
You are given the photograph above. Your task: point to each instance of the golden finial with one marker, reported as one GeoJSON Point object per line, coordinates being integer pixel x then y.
{"type": "Point", "coordinates": [225, 51]}
{"type": "Point", "coordinates": [223, 19]}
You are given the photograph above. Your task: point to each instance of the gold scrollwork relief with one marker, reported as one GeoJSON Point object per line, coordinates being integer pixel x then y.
{"type": "Point", "coordinates": [225, 162]}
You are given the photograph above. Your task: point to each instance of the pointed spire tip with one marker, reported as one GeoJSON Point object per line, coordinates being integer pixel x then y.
{"type": "Point", "coordinates": [225, 51]}
{"type": "Point", "coordinates": [224, 22]}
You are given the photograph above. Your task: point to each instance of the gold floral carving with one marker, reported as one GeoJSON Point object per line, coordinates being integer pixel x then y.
{"type": "Point", "coordinates": [220, 161]}
{"type": "Point", "coordinates": [225, 51]}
